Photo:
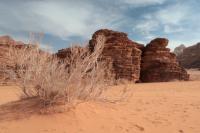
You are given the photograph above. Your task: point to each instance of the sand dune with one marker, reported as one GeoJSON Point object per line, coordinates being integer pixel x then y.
{"type": "Point", "coordinates": [153, 108]}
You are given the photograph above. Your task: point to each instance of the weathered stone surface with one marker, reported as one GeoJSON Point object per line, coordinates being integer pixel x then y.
{"type": "Point", "coordinates": [70, 55]}
{"type": "Point", "coordinates": [66, 53]}
{"type": "Point", "coordinates": [190, 57]}
{"type": "Point", "coordinates": [123, 54]}
{"type": "Point", "coordinates": [159, 65]}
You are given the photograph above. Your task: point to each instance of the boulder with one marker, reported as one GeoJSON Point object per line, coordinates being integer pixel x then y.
{"type": "Point", "coordinates": [159, 64]}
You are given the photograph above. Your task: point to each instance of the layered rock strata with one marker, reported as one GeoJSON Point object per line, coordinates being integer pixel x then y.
{"type": "Point", "coordinates": [128, 60]}
{"type": "Point", "coordinates": [159, 64]}
{"type": "Point", "coordinates": [124, 54]}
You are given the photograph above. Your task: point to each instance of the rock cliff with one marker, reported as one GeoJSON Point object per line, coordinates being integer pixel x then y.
{"type": "Point", "coordinates": [159, 64]}
{"type": "Point", "coordinates": [124, 54]}
{"type": "Point", "coordinates": [129, 60]}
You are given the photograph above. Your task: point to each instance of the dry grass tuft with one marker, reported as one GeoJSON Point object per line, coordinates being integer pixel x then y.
{"type": "Point", "coordinates": [46, 77]}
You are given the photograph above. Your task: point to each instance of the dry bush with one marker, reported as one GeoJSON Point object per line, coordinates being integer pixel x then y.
{"type": "Point", "coordinates": [44, 76]}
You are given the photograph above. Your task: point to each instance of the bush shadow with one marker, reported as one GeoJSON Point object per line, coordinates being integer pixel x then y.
{"type": "Point", "coordinates": [21, 109]}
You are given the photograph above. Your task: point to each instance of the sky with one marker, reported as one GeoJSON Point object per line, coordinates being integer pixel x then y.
{"type": "Point", "coordinates": [68, 22]}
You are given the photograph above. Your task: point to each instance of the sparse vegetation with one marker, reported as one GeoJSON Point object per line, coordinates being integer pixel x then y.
{"type": "Point", "coordinates": [44, 76]}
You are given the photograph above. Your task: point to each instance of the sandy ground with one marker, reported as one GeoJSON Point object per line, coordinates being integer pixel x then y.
{"type": "Point", "coordinates": [8, 94]}
{"type": "Point", "coordinates": [153, 108]}
{"type": "Point", "coordinates": [194, 74]}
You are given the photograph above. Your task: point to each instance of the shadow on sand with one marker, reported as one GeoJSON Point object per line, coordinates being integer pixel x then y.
{"type": "Point", "coordinates": [20, 109]}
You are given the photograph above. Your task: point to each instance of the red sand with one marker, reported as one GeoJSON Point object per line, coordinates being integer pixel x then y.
{"type": "Point", "coordinates": [153, 108]}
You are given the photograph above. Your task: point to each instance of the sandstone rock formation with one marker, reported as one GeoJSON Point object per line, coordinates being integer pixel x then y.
{"type": "Point", "coordinates": [124, 54]}
{"type": "Point", "coordinates": [70, 55]}
{"type": "Point", "coordinates": [159, 65]}
{"type": "Point", "coordinates": [66, 54]}
{"type": "Point", "coordinates": [179, 50]}
{"type": "Point", "coordinates": [128, 60]}
{"type": "Point", "coordinates": [190, 57]}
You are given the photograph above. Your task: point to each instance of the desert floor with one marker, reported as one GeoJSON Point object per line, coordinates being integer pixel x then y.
{"type": "Point", "coordinates": [153, 108]}
{"type": "Point", "coordinates": [194, 74]}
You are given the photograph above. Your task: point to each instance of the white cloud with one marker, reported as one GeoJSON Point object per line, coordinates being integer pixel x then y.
{"type": "Point", "coordinates": [169, 20]}
{"type": "Point", "coordinates": [62, 19]}
{"type": "Point", "coordinates": [146, 28]}
{"type": "Point", "coordinates": [173, 14]}
{"type": "Point", "coordinates": [143, 2]}
{"type": "Point", "coordinates": [174, 17]}
{"type": "Point", "coordinates": [177, 19]}
{"type": "Point", "coordinates": [58, 18]}
{"type": "Point", "coordinates": [173, 29]}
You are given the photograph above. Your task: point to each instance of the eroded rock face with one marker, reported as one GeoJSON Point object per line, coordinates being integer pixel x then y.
{"type": "Point", "coordinates": [70, 55]}
{"type": "Point", "coordinates": [159, 65]}
{"type": "Point", "coordinates": [123, 54]}
{"type": "Point", "coordinates": [190, 57]}
{"type": "Point", "coordinates": [132, 61]}
{"type": "Point", "coordinates": [66, 54]}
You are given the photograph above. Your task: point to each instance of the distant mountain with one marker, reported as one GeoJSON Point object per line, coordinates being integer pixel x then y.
{"type": "Point", "coordinates": [190, 56]}
{"type": "Point", "coordinates": [179, 50]}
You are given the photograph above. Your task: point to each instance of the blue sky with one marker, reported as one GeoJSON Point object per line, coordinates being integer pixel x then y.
{"type": "Point", "coordinates": [67, 22]}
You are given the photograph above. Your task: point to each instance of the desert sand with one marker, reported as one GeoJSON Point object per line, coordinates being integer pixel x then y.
{"type": "Point", "coordinates": [153, 108]}
{"type": "Point", "coordinates": [194, 74]}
